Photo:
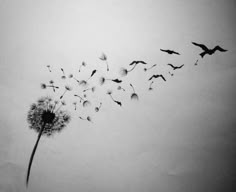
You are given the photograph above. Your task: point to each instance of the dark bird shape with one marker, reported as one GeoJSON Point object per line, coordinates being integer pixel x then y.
{"type": "Point", "coordinates": [170, 51]}
{"type": "Point", "coordinates": [175, 67]}
{"type": "Point", "coordinates": [208, 51]}
{"type": "Point", "coordinates": [137, 62]}
{"type": "Point", "coordinates": [156, 76]}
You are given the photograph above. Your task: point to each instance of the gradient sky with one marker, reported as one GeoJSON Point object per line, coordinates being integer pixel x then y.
{"type": "Point", "coordinates": [180, 137]}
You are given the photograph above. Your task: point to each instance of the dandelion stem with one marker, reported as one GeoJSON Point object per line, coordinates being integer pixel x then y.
{"type": "Point", "coordinates": [107, 66]}
{"type": "Point", "coordinates": [132, 87]}
{"type": "Point", "coordinates": [33, 152]}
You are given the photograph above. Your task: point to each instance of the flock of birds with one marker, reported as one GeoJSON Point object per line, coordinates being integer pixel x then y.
{"type": "Point", "coordinates": [82, 98]}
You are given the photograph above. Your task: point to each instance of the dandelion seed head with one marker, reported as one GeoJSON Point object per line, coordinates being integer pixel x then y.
{"type": "Point", "coordinates": [83, 64]}
{"type": "Point", "coordinates": [86, 103]}
{"type": "Point", "coordinates": [70, 76]}
{"type": "Point", "coordinates": [43, 86]}
{"type": "Point", "coordinates": [134, 96]}
{"type": "Point", "coordinates": [109, 92]}
{"type": "Point", "coordinates": [123, 71]}
{"type": "Point", "coordinates": [83, 83]}
{"type": "Point", "coordinates": [41, 114]}
{"type": "Point", "coordinates": [102, 80]}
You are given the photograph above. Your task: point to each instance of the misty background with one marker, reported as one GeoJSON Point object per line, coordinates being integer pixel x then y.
{"type": "Point", "coordinates": [179, 137]}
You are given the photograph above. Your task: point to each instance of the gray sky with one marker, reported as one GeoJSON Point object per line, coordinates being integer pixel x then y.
{"type": "Point", "coordinates": [180, 137]}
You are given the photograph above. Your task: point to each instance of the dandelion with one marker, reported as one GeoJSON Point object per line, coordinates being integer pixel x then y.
{"type": "Point", "coordinates": [45, 119]}
{"type": "Point", "coordinates": [48, 66]}
{"type": "Point", "coordinates": [120, 88]}
{"type": "Point", "coordinates": [146, 69]}
{"type": "Point", "coordinates": [134, 95]}
{"type": "Point", "coordinates": [98, 108]}
{"type": "Point", "coordinates": [150, 86]}
{"type": "Point", "coordinates": [109, 92]}
{"type": "Point", "coordinates": [104, 58]}
{"type": "Point", "coordinates": [67, 88]}
{"type": "Point", "coordinates": [82, 65]}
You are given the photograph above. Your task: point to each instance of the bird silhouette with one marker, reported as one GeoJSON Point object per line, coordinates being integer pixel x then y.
{"type": "Point", "coordinates": [208, 51]}
{"type": "Point", "coordinates": [175, 67]}
{"type": "Point", "coordinates": [157, 76]}
{"type": "Point", "coordinates": [170, 51]}
{"type": "Point", "coordinates": [137, 62]}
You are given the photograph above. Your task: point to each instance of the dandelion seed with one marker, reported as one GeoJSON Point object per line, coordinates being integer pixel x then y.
{"type": "Point", "coordinates": [92, 89]}
{"type": "Point", "coordinates": [86, 103]}
{"type": "Point", "coordinates": [104, 58]}
{"type": "Point", "coordinates": [146, 69]}
{"type": "Point", "coordinates": [82, 65]}
{"type": "Point", "coordinates": [120, 88]}
{"type": "Point", "coordinates": [98, 108]}
{"type": "Point", "coordinates": [134, 95]}
{"type": "Point", "coordinates": [109, 92]}
{"type": "Point", "coordinates": [150, 86]}
{"type": "Point", "coordinates": [171, 74]}
{"type": "Point", "coordinates": [45, 120]}
{"type": "Point", "coordinates": [75, 103]}
{"type": "Point", "coordinates": [48, 66]}
{"type": "Point", "coordinates": [83, 83]}
{"type": "Point", "coordinates": [67, 88]}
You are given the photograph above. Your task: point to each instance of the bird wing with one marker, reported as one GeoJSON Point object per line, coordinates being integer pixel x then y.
{"type": "Point", "coordinates": [175, 52]}
{"type": "Point", "coordinates": [93, 72]}
{"type": "Point", "coordinates": [134, 62]}
{"type": "Point", "coordinates": [171, 65]}
{"type": "Point", "coordinates": [219, 49]}
{"type": "Point", "coordinates": [163, 77]}
{"type": "Point", "coordinates": [151, 78]}
{"type": "Point", "coordinates": [141, 62]}
{"type": "Point", "coordinates": [201, 46]}
{"type": "Point", "coordinates": [163, 50]}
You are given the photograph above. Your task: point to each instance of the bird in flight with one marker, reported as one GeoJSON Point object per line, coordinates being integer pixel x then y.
{"type": "Point", "coordinates": [208, 51]}
{"type": "Point", "coordinates": [170, 51]}
{"type": "Point", "coordinates": [137, 62]}
{"type": "Point", "coordinates": [157, 76]}
{"type": "Point", "coordinates": [175, 67]}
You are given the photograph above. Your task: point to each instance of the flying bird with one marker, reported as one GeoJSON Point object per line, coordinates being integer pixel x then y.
{"type": "Point", "coordinates": [175, 67]}
{"type": "Point", "coordinates": [170, 51]}
{"type": "Point", "coordinates": [137, 62]}
{"type": "Point", "coordinates": [208, 51]}
{"type": "Point", "coordinates": [156, 76]}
